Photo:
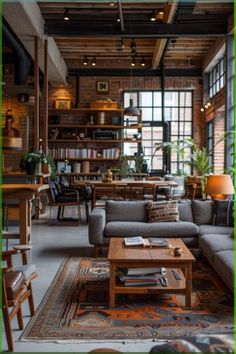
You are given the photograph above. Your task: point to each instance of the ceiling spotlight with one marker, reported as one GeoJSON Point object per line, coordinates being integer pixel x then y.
{"type": "Point", "coordinates": [66, 15]}
{"type": "Point", "coordinates": [143, 62]}
{"type": "Point", "coordinates": [202, 109]}
{"type": "Point", "coordinates": [153, 17]}
{"type": "Point", "coordinates": [160, 15]}
{"type": "Point", "coordinates": [118, 19]}
{"type": "Point", "coordinates": [133, 61]}
{"type": "Point", "coordinates": [85, 61]}
{"type": "Point", "coordinates": [112, 4]}
{"type": "Point", "coordinates": [93, 61]}
{"type": "Point", "coordinates": [208, 104]}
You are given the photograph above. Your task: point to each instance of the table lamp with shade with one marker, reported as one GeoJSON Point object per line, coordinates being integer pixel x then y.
{"type": "Point", "coordinates": [219, 186]}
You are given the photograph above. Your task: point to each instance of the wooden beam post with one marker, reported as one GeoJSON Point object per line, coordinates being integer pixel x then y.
{"type": "Point", "coordinates": [36, 93]}
{"type": "Point", "coordinates": [45, 115]}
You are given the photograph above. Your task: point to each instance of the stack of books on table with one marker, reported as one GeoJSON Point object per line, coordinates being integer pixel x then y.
{"type": "Point", "coordinates": [142, 276]}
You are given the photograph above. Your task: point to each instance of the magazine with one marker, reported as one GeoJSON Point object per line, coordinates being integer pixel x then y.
{"type": "Point", "coordinates": [146, 242]}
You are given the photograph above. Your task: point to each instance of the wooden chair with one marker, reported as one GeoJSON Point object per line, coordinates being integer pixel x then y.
{"type": "Point", "coordinates": [103, 193]}
{"type": "Point", "coordinates": [190, 189]}
{"type": "Point", "coordinates": [162, 193]}
{"type": "Point", "coordinates": [16, 288]}
{"type": "Point", "coordinates": [61, 199]}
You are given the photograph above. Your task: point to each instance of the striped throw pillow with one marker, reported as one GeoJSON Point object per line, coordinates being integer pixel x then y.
{"type": "Point", "coordinates": [163, 211]}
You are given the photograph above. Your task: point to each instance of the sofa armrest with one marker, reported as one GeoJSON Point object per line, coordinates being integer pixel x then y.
{"type": "Point", "coordinates": [96, 226]}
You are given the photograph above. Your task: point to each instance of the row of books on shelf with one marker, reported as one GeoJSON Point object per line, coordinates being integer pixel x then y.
{"type": "Point", "coordinates": [62, 153]}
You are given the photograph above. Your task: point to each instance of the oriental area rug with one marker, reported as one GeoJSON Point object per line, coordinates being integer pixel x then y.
{"type": "Point", "coordinates": [75, 308]}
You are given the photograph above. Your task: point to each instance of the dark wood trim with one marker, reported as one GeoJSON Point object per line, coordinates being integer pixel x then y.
{"type": "Point", "coordinates": [45, 116]}
{"type": "Point", "coordinates": [135, 72]}
{"type": "Point", "coordinates": [164, 30]}
{"type": "Point", "coordinates": [36, 93]}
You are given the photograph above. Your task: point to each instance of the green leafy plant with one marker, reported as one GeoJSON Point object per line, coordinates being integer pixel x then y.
{"type": "Point", "coordinates": [38, 157]}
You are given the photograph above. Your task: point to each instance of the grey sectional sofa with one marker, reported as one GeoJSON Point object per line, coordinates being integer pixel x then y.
{"type": "Point", "coordinates": [127, 219]}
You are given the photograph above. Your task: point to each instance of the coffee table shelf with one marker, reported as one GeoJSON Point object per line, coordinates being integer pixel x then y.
{"type": "Point", "coordinates": [121, 256]}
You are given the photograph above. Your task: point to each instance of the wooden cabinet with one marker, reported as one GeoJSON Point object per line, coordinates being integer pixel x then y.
{"type": "Point", "coordinates": [89, 134]}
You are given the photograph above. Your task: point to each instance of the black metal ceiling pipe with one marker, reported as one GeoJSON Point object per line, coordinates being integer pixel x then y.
{"type": "Point", "coordinates": [22, 60]}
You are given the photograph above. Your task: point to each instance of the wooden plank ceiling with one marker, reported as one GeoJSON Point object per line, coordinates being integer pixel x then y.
{"type": "Point", "coordinates": [92, 32]}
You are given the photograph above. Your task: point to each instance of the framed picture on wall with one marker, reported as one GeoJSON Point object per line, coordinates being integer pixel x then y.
{"type": "Point", "coordinates": [102, 86]}
{"type": "Point", "coordinates": [62, 103]}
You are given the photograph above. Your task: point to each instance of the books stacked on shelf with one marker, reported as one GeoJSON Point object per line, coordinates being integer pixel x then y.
{"type": "Point", "coordinates": [142, 276]}
{"type": "Point", "coordinates": [112, 153]}
{"type": "Point", "coordinates": [88, 153]}
{"type": "Point", "coordinates": [147, 242]}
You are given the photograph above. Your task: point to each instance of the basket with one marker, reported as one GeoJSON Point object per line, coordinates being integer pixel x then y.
{"type": "Point", "coordinates": [103, 104]}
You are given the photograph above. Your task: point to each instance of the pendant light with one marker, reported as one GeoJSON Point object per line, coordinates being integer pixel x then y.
{"type": "Point", "coordinates": [131, 110]}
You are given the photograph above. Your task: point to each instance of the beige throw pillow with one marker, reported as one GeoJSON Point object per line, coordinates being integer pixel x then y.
{"type": "Point", "coordinates": [164, 211]}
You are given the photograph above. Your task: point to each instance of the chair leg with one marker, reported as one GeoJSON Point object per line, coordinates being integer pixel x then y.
{"type": "Point", "coordinates": [87, 211]}
{"type": "Point", "coordinates": [79, 214]}
{"type": "Point", "coordinates": [6, 320]}
{"type": "Point", "coordinates": [59, 213]}
{"type": "Point", "coordinates": [50, 212]}
{"type": "Point", "coordinates": [20, 318]}
{"type": "Point", "coordinates": [31, 300]}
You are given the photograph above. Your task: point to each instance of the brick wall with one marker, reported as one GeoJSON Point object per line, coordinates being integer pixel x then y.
{"type": "Point", "coordinates": [21, 114]}
{"type": "Point", "coordinates": [117, 85]}
{"type": "Point", "coordinates": [216, 114]}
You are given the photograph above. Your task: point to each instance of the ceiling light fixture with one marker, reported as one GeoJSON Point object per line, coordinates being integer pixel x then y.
{"type": "Point", "coordinates": [133, 61]}
{"type": "Point", "coordinates": [112, 4]}
{"type": "Point", "coordinates": [93, 61]}
{"type": "Point", "coordinates": [85, 61]}
{"type": "Point", "coordinates": [131, 110]}
{"type": "Point", "coordinates": [153, 17]}
{"type": "Point", "coordinates": [66, 15]}
{"type": "Point", "coordinates": [143, 62]}
{"type": "Point", "coordinates": [118, 19]}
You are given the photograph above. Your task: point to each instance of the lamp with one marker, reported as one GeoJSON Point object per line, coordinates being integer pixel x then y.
{"type": "Point", "coordinates": [131, 110]}
{"type": "Point", "coordinates": [143, 62]}
{"type": "Point", "coordinates": [219, 186]}
{"type": "Point", "coordinates": [85, 61]}
{"type": "Point", "coordinates": [66, 15]}
{"type": "Point", "coordinates": [93, 61]}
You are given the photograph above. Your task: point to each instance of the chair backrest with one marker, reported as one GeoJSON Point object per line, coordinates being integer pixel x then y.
{"type": "Point", "coordinates": [53, 191]}
{"type": "Point", "coordinates": [190, 190]}
{"type": "Point", "coordinates": [106, 192]}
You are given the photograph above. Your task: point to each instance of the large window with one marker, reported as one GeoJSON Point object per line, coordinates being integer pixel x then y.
{"type": "Point", "coordinates": [177, 124]}
{"type": "Point", "coordinates": [209, 141]}
{"type": "Point", "coordinates": [216, 79]}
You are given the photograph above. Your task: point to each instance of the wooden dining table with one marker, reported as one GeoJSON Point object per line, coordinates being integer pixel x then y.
{"type": "Point", "coordinates": [25, 193]}
{"type": "Point", "coordinates": [125, 183]}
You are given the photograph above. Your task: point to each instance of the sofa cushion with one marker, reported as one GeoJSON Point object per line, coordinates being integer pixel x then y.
{"type": "Point", "coordinates": [164, 211]}
{"type": "Point", "coordinates": [161, 229]}
{"type": "Point", "coordinates": [212, 229]}
{"type": "Point", "coordinates": [223, 214]}
{"type": "Point", "coordinates": [224, 265]}
{"type": "Point", "coordinates": [185, 211]}
{"type": "Point", "coordinates": [126, 211]}
{"type": "Point", "coordinates": [202, 211]}
{"type": "Point", "coordinates": [213, 243]}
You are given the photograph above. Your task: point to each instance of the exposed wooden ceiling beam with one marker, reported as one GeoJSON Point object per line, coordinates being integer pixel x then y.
{"type": "Point", "coordinates": [164, 30]}
{"type": "Point", "coordinates": [135, 72]}
{"type": "Point", "coordinates": [169, 13]}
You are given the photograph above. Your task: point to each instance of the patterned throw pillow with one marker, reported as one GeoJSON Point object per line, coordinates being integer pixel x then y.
{"type": "Point", "coordinates": [223, 213]}
{"type": "Point", "coordinates": [163, 211]}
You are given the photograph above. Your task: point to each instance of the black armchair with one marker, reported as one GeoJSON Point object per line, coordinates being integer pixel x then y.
{"type": "Point", "coordinates": [61, 198]}
{"type": "Point", "coordinates": [85, 194]}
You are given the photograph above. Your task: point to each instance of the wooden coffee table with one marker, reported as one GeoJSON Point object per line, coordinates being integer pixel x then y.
{"type": "Point", "coordinates": [121, 256]}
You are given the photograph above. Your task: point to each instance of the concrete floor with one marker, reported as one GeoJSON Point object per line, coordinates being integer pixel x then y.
{"type": "Point", "coordinates": [51, 244]}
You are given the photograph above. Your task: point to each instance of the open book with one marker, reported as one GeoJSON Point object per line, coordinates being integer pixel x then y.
{"type": "Point", "coordinates": [146, 242]}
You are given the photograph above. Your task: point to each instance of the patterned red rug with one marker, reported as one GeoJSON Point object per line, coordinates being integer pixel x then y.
{"type": "Point", "coordinates": [75, 307]}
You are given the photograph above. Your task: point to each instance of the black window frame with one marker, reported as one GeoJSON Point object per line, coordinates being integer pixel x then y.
{"type": "Point", "coordinates": [216, 77]}
{"type": "Point", "coordinates": [167, 124]}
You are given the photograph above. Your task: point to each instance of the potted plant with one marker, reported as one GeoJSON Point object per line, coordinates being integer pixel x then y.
{"type": "Point", "coordinates": [32, 161]}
